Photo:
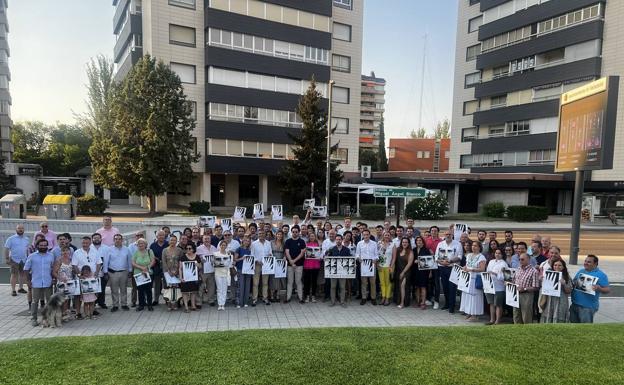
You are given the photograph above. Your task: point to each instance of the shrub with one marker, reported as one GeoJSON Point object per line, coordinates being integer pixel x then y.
{"type": "Point", "coordinates": [527, 213]}
{"type": "Point", "coordinates": [433, 206]}
{"type": "Point", "coordinates": [199, 207]}
{"type": "Point", "coordinates": [494, 210]}
{"type": "Point", "coordinates": [373, 212]}
{"type": "Point", "coordinates": [91, 205]}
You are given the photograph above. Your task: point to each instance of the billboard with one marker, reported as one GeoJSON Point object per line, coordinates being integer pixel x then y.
{"type": "Point", "coordinates": [587, 126]}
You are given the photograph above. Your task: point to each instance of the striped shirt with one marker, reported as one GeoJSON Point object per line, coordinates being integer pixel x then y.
{"type": "Point", "coordinates": [526, 277]}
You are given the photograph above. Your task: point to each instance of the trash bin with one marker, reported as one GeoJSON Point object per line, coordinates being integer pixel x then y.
{"type": "Point", "coordinates": [13, 206]}
{"type": "Point", "coordinates": [59, 207]}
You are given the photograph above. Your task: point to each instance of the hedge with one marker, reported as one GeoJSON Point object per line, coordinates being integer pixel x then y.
{"type": "Point", "coordinates": [527, 213]}
{"type": "Point", "coordinates": [199, 208]}
{"type": "Point", "coordinates": [373, 212]}
{"type": "Point", "coordinates": [494, 210]}
{"type": "Point", "coordinates": [433, 206]}
{"type": "Point", "coordinates": [91, 205]}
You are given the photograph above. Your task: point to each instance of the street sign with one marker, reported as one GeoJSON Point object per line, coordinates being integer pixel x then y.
{"type": "Point", "coordinates": [400, 192]}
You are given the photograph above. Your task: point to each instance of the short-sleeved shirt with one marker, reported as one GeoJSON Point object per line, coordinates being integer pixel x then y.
{"type": "Point", "coordinates": [91, 258]}
{"type": "Point", "coordinates": [294, 247]}
{"type": "Point", "coordinates": [580, 298]}
{"type": "Point", "coordinates": [157, 251]}
{"type": "Point", "coordinates": [18, 247]}
{"type": "Point", "coordinates": [40, 267]}
{"type": "Point", "coordinates": [108, 235]}
{"type": "Point", "coordinates": [142, 258]}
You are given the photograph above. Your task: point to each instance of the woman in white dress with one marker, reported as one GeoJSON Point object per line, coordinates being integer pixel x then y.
{"type": "Point", "coordinates": [222, 263]}
{"type": "Point", "coordinates": [472, 303]}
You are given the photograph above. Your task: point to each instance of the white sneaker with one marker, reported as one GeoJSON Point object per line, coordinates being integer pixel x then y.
{"type": "Point", "coordinates": [436, 306]}
{"type": "Point", "coordinates": [428, 303]}
{"type": "Point", "coordinates": [246, 305]}
{"type": "Point", "coordinates": [238, 306]}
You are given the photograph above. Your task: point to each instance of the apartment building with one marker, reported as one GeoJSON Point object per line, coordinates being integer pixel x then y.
{"type": "Point", "coordinates": [422, 154]}
{"type": "Point", "coordinates": [372, 109]}
{"type": "Point", "coordinates": [514, 58]}
{"type": "Point", "coordinates": [244, 64]}
{"type": "Point", "coordinates": [6, 148]}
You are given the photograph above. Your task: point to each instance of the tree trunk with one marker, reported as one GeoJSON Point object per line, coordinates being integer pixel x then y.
{"type": "Point", "coordinates": [152, 204]}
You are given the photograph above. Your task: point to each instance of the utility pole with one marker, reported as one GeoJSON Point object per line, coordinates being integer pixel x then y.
{"type": "Point", "coordinates": [329, 120]}
{"type": "Point", "coordinates": [422, 85]}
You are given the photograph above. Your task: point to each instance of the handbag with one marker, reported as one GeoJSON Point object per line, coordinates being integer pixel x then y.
{"type": "Point", "coordinates": [479, 282]}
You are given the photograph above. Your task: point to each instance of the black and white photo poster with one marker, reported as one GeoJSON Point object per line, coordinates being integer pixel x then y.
{"type": "Point", "coordinates": [71, 287]}
{"type": "Point", "coordinates": [509, 274]}
{"type": "Point", "coordinates": [551, 285]}
{"type": "Point", "coordinates": [340, 267]}
{"type": "Point", "coordinates": [488, 283]}
{"type": "Point", "coordinates": [454, 278]}
{"type": "Point", "coordinates": [171, 280]}
{"type": "Point", "coordinates": [226, 224]}
{"type": "Point", "coordinates": [459, 229]}
{"type": "Point", "coordinates": [258, 211]}
{"type": "Point", "coordinates": [189, 271]}
{"type": "Point", "coordinates": [207, 221]}
{"type": "Point", "coordinates": [277, 213]}
{"type": "Point", "coordinates": [221, 261]}
{"type": "Point", "coordinates": [319, 212]}
{"type": "Point", "coordinates": [90, 285]}
{"type": "Point", "coordinates": [313, 253]}
{"type": "Point", "coordinates": [511, 295]}
{"type": "Point", "coordinates": [427, 262]}
{"type": "Point", "coordinates": [208, 263]}
{"type": "Point", "coordinates": [465, 284]}
{"type": "Point", "coordinates": [367, 268]}
{"type": "Point", "coordinates": [308, 203]}
{"type": "Point", "coordinates": [142, 279]}
{"type": "Point", "coordinates": [585, 283]}
{"type": "Point", "coordinates": [249, 264]}
{"type": "Point", "coordinates": [281, 267]}
{"type": "Point", "coordinates": [239, 214]}
{"type": "Point", "coordinates": [268, 265]}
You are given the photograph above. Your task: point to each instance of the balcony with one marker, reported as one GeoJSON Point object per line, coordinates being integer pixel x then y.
{"type": "Point", "coordinates": [502, 114]}
{"type": "Point", "coordinates": [372, 90]}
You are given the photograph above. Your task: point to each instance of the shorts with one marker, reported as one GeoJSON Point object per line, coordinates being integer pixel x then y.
{"type": "Point", "coordinates": [497, 299]}
{"type": "Point", "coordinates": [16, 267]}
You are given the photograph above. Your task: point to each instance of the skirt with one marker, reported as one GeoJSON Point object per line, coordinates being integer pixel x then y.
{"type": "Point", "coordinates": [189, 287]}
{"type": "Point", "coordinates": [472, 304]}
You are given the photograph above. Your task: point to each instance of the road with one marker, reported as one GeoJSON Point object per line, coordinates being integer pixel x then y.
{"type": "Point", "coordinates": [600, 243]}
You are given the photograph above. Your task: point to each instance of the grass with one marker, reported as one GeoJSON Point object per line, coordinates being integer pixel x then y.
{"type": "Point", "coordinates": [553, 354]}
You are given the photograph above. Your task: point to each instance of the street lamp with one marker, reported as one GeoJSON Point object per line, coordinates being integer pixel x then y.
{"type": "Point", "coordinates": [329, 119]}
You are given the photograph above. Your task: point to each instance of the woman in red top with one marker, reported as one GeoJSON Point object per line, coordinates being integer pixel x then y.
{"type": "Point", "coordinates": [311, 267]}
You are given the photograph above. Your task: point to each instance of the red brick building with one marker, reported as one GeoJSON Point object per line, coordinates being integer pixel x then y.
{"type": "Point", "coordinates": [419, 155]}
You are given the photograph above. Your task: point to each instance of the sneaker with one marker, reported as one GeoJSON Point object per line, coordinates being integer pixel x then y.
{"type": "Point", "coordinates": [267, 302]}
{"type": "Point", "coordinates": [374, 302]}
{"type": "Point", "coordinates": [436, 306]}
{"type": "Point", "coordinates": [14, 293]}
{"type": "Point", "coordinates": [238, 306]}
{"type": "Point", "coordinates": [126, 308]}
{"type": "Point", "coordinates": [246, 305]}
{"type": "Point", "coordinates": [150, 308]}
{"type": "Point", "coordinates": [114, 309]}
{"type": "Point", "coordinates": [140, 308]}
{"type": "Point", "coordinates": [363, 302]}
{"type": "Point", "coordinates": [428, 303]}
{"type": "Point", "coordinates": [34, 323]}
{"type": "Point", "coordinates": [22, 291]}
{"type": "Point", "coordinates": [253, 304]}
{"type": "Point", "coordinates": [313, 299]}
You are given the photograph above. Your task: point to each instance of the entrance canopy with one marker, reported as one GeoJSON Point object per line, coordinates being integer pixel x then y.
{"type": "Point", "coordinates": [380, 191]}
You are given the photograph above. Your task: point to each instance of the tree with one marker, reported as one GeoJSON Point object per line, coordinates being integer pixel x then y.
{"type": "Point", "coordinates": [420, 134]}
{"type": "Point", "coordinates": [309, 151]}
{"type": "Point", "coordinates": [5, 181]}
{"type": "Point", "coordinates": [369, 158]}
{"type": "Point", "coordinates": [382, 159]}
{"type": "Point", "coordinates": [29, 140]}
{"type": "Point", "coordinates": [443, 130]}
{"type": "Point", "coordinates": [150, 148]}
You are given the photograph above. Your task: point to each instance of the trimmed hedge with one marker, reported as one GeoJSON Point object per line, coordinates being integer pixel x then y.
{"type": "Point", "coordinates": [373, 212]}
{"type": "Point", "coordinates": [527, 213]}
{"type": "Point", "coordinates": [433, 206]}
{"type": "Point", "coordinates": [199, 207]}
{"type": "Point", "coordinates": [91, 205]}
{"type": "Point", "coordinates": [494, 210]}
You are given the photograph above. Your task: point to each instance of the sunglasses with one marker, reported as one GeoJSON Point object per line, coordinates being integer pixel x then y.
{"type": "Point", "coordinates": [44, 225]}
{"type": "Point", "coordinates": [189, 248]}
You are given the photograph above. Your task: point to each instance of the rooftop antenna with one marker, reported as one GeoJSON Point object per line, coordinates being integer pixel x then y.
{"type": "Point", "coordinates": [422, 84]}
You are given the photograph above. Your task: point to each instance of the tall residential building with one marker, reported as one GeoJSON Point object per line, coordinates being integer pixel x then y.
{"type": "Point", "coordinates": [513, 61]}
{"type": "Point", "coordinates": [6, 148]}
{"type": "Point", "coordinates": [422, 154]}
{"type": "Point", "coordinates": [245, 64]}
{"type": "Point", "coordinates": [372, 109]}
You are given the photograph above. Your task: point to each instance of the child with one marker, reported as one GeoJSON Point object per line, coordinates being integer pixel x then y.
{"type": "Point", "coordinates": [88, 298]}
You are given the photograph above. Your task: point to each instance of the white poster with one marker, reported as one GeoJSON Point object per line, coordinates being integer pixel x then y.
{"type": "Point", "coordinates": [226, 224]}
{"type": "Point", "coordinates": [340, 267]}
{"type": "Point", "coordinates": [511, 295]}
{"type": "Point", "coordinates": [189, 271]}
{"type": "Point", "coordinates": [71, 287]}
{"type": "Point", "coordinates": [258, 211]}
{"type": "Point", "coordinates": [90, 285]}
{"type": "Point", "coordinates": [239, 214]}
{"type": "Point", "coordinates": [268, 265]}
{"type": "Point", "coordinates": [281, 267]}
{"type": "Point", "coordinates": [308, 203]}
{"type": "Point", "coordinates": [585, 283]}
{"type": "Point", "coordinates": [319, 212]}
{"type": "Point", "coordinates": [465, 284]}
{"type": "Point", "coordinates": [459, 229]}
{"type": "Point", "coordinates": [367, 268]}
{"type": "Point", "coordinates": [208, 261]}
{"type": "Point", "coordinates": [313, 253]}
{"type": "Point", "coordinates": [277, 213]}
{"type": "Point", "coordinates": [221, 260]}
{"type": "Point", "coordinates": [454, 278]}
{"type": "Point", "coordinates": [249, 264]}
{"type": "Point", "coordinates": [488, 283]}
{"type": "Point", "coordinates": [427, 262]}
{"type": "Point", "coordinates": [142, 279]}
{"type": "Point", "coordinates": [509, 274]}
{"type": "Point", "coordinates": [171, 280]}
{"type": "Point", "coordinates": [207, 221]}
{"type": "Point", "coordinates": [551, 285]}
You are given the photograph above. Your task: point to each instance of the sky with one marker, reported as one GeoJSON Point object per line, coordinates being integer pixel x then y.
{"type": "Point", "coordinates": [52, 41]}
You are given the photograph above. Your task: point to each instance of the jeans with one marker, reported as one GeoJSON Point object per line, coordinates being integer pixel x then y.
{"type": "Point", "coordinates": [244, 284]}
{"type": "Point", "coordinates": [101, 296]}
{"type": "Point", "coordinates": [310, 278]}
{"type": "Point", "coordinates": [433, 290]}
{"type": "Point", "coordinates": [445, 273]}
{"type": "Point", "coordinates": [580, 314]}
{"type": "Point", "coordinates": [145, 294]}
{"type": "Point", "coordinates": [157, 284]}
{"type": "Point", "coordinates": [39, 294]}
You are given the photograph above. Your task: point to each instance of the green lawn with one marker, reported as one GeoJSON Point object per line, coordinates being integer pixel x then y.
{"type": "Point", "coordinates": [557, 354]}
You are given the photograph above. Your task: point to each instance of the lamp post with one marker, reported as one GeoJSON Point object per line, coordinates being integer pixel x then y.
{"type": "Point", "coordinates": [329, 120]}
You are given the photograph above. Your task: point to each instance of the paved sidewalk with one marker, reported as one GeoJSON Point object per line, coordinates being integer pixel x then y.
{"type": "Point", "coordinates": [14, 324]}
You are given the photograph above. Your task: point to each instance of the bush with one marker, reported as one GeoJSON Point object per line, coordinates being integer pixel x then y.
{"type": "Point", "coordinates": [433, 206]}
{"type": "Point", "coordinates": [494, 210]}
{"type": "Point", "coordinates": [91, 205]}
{"type": "Point", "coordinates": [527, 213]}
{"type": "Point", "coordinates": [373, 212]}
{"type": "Point", "coordinates": [199, 207]}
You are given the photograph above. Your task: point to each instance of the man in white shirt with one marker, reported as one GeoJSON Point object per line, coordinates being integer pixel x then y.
{"type": "Point", "coordinates": [81, 257]}
{"type": "Point", "coordinates": [347, 226]}
{"type": "Point", "coordinates": [208, 289]}
{"type": "Point", "coordinates": [232, 246]}
{"type": "Point", "coordinates": [367, 250]}
{"type": "Point", "coordinates": [448, 252]}
{"type": "Point", "coordinates": [399, 235]}
{"type": "Point", "coordinates": [102, 251]}
{"type": "Point", "coordinates": [327, 245]}
{"type": "Point", "coordinates": [260, 248]}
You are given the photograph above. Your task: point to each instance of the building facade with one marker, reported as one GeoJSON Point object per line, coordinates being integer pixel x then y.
{"type": "Point", "coordinates": [426, 154]}
{"type": "Point", "coordinates": [244, 64]}
{"type": "Point", "coordinates": [372, 109]}
{"type": "Point", "coordinates": [6, 148]}
{"type": "Point", "coordinates": [514, 58]}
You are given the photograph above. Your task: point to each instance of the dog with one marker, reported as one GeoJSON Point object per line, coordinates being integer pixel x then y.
{"type": "Point", "coordinates": [53, 310]}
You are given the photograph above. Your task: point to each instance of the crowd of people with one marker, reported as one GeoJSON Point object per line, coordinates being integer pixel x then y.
{"type": "Point", "coordinates": [153, 271]}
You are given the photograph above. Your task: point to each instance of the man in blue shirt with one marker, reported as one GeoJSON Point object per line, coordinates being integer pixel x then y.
{"type": "Point", "coordinates": [117, 266]}
{"type": "Point", "coordinates": [15, 250]}
{"type": "Point", "coordinates": [338, 251]}
{"type": "Point", "coordinates": [39, 265]}
{"type": "Point", "coordinates": [585, 305]}
{"type": "Point", "coordinates": [157, 248]}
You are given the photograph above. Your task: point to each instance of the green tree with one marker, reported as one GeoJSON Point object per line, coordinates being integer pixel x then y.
{"type": "Point", "coordinates": [29, 140]}
{"type": "Point", "coordinates": [443, 130]}
{"type": "Point", "coordinates": [368, 158]}
{"type": "Point", "coordinates": [309, 151]}
{"type": "Point", "coordinates": [382, 158]}
{"type": "Point", "coordinates": [150, 148]}
{"type": "Point", "coordinates": [5, 181]}
{"type": "Point", "coordinates": [420, 134]}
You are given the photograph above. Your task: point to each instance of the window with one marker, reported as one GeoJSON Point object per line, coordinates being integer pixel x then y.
{"type": "Point", "coordinates": [498, 130]}
{"type": "Point", "coordinates": [470, 107]}
{"type": "Point", "coordinates": [253, 115]}
{"type": "Point", "coordinates": [472, 79]}
{"type": "Point", "coordinates": [473, 2]}
{"type": "Point", "coordinates": [341, 63]}
{"type": "Point", "coordinates": [279, 151]}
{"type": "Point", "coordinates": [506, 38]}
{"type": "Point", "coordinates": [465, 161]}
{"type": "Point", "coordinates": [447, 154]}
{"type": "Point", "coordinates": [193, 106]}
{"type": "Point", "coordinates": [340, 95]}
{"type": "Point", "coordinates": [342, 155]}
{"type": "Point", "coordinates": [392, 152]}
{"type": "Point", "coordinates": [498, 101]}
{"type": "Point", "coordinates": [218, 147]}
{"type": "Point", "coordinates": [186, 72]}
{"type": "Point", "coordinates": [475, 23]}
{"type": "Point", "coordinates": [183, 3]}
{"type": "Point", "coordinates": [250, 149]}
{"type": "Point", "coordinates": [181, 35]}
{"type": "Point", "coordinates": [419, 154]}
{"type": "Point", "coordinates": [342, 32]}
{"type": "Point", "coordinates": [469, 134]}
{"type": "Point", "coordinates": [235, 147]}
{"type": "Point", "coordinates": [344, 3]}
{"type": "Point", "coordinates": [427, 154]}
{"type": "Point", "coordinates": [500, 72]}
{"type": "Point", "coordinates": [542, 156]}
{"type": "Point", "coordinates": [341, 125]}
{"type": "Point", "coordinates": [4, 82]}
{"type": "Point", "coordinates": [473, 51]}
{"type": "Point", "coordinates": [569, 19]}
{"type": "Point", "coordinates": [522, 127]}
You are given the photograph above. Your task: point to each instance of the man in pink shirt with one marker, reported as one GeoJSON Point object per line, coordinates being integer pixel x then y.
{"type": "Point", "coordinates": [107, 231]}
{"type": "Point", "coordinates": [49, 235]}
